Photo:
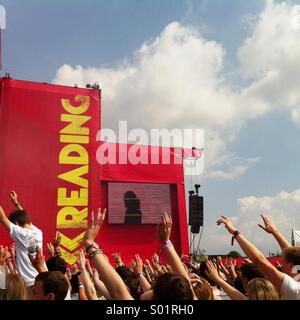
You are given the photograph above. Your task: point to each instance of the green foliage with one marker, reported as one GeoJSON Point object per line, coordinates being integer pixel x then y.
{"type": "Point", "coordinates": [234, 254]}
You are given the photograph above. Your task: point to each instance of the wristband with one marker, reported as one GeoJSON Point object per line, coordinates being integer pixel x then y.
{"type": "Point", "coordinates": [93, 253]}
{"type": "Point", "coordinates": [93, 245]}
{"type": "Point", "coordinates": [166, 243]}
{"type": "Point", "coordinates": [235, 234]}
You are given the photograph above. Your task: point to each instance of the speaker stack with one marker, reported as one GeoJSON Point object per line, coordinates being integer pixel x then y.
{"type": "Point", "coordinates": [195, 210]}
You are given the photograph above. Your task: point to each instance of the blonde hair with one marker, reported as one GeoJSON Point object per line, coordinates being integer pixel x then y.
{"type": "Point", "coordinates": [261, 289]}
{"type": "Point", "coordinates": [15, 288]}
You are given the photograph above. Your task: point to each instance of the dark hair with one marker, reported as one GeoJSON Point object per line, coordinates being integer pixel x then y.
{"type": "Point", "coordinates": [250, 271]}
{"type": "Point", "coordinates": [132, 284]}
{"type": "Point", "coordinates": [54, 282]}
{"type": "Point", "coordinates": [74, 281]}
{"type": "Point", "coordinates": [170, 286]}
{"type": "Point", "coordinates": [237, 269]}
{"type": "Point", "coordinates": [19, 216]}
{"type": "Point", "coordinates": [201, 273]}
{"type": "Point", "coordinates": [57, 263]}
{"type": "Point", "coordinates": [292, 255]}
{"type": "Point", "coordinates": [124, 272]}
{"type": "Point", "coordinates": [238, 285]}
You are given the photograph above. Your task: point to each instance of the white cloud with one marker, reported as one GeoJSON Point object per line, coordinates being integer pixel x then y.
{"type": "Point", "coordinates": [237, 166]}
{"type": "Point", "coordinates": [282, 208]}
{"type": "Point", "coordinates": [249, 21]}
{"type": "Point", "coordinates": [232, 173]}
{"type": "Point", "coordinates": [271, 57]}
{"type": "Point", "coordinates": [176, 81]}
{"type": "Point", "coordinates": [173, 81]}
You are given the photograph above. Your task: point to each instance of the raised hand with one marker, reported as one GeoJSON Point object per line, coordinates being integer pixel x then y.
{"type": "Point", "coordinates": [227, 223]}
{"type": "Point", "coordinates": [88, 268]}
{"type": "Point", "coordinates": [95, 275]}
{"type": "Point", "coordinates": [155, 258]}
{"type": "Point", "coordinates": [271, 228]}
{"type": "Point", "coordinates": [2, 257]}
{"type": "Point", "coordinates": [156, 262]}
{"type": "Point", "coordinates": [81, 260]}
{"type": "Point", "coordinates": [195, 279]}
{"type": "Point", "coordinates": [268, 225]}
{"type": "Point", "coordinates": [211, 271]}
{"type": "Point", "coordinates": [50, 249]}
{"type": "Point", "coordinates": [93, 228]}
{"type": "Point", "coordinates": [117, 258]}
{"type": "Point", "coordinates": [12, 249]}
{"type": "Point", "coordinates": [38, 261]}
{"type": "Point", "coordinates": [138, 264]}
{"type": "Point", "coordinates": [14, 197]}
{"type": "Point", "coordinates": [5, 254]}
{"type": "Point", "coordinates": [219, 259]}
{"type": "Point", "coordinates": [169, 269]}
{"type": "Point", "coordinates": [132, 265]}
{"type": "Point", "coordinates": [56, 242]}
{"type": "Point", "coordinates": [164, 228]}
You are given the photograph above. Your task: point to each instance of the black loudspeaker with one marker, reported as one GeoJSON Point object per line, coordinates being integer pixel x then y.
{"type": "Point", "coordinates": [195, 212]}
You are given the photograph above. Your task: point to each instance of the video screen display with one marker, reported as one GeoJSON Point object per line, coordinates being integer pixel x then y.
{"type": "Point", "coordinates": [137, 203]}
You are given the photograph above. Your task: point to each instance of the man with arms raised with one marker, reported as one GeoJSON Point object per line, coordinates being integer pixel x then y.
{"type": "Point", "coordinates": [26, 237]}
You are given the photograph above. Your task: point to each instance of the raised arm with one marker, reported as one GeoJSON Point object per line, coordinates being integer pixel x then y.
{"type": "Point", "coordinates": [270, 227]}
{"type": "Point", "coordinates": [222, 267]}
{"type": "Point", "coordinates": [14, 200]}
{"type": "Point", "coordinates": [212, 273]}
{"type": "Point", "coordinates": [100, 285]}
{"type": "Point", "coordinates": [163, 234]}
{"type": "Point", "coordinates": [89, 288]}
{"type": "Point", "coordinates": [38, 261]}
{"type": "Point", "coordinates": [4, 220]}
{"type": "Point", "coordinates": [118, 259]}
{"type": "Point", "coordinates": [54, 246]}
{"type": "Point", "coordinates": [138, 270]}
{"type": "Point", "coordinates": [232, 265]}
{"type": "Point", "coordinates": [113, 282]}
{"type": "Point", "coordinates": [275, 276]}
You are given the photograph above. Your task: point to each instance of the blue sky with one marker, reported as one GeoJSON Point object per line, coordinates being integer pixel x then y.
{"type": "Point", "coordinates": [42, 36]}
{"type": "Point", "coordinates": [97, 32]}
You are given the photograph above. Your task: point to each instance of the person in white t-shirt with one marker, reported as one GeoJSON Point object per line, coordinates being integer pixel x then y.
{"type": "Point", "coordinates": [26, 237]}
{"type": "Point", "coordinates": [285, 282]}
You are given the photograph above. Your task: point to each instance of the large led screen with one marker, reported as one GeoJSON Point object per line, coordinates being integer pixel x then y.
{"type": "Point", "coordinates": [137, 203]}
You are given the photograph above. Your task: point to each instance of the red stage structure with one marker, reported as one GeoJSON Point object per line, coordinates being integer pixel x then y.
{"type": "Point", "coordinates": [48, 153]}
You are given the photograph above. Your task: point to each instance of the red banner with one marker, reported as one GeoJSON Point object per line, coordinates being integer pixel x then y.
{"type": "Point", "coordinates": [48, 147]}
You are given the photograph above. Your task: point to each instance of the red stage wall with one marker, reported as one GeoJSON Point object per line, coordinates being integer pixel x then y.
{"type": "Point", "coordinates": [132, 239]}
{"type": "Point", "coordinates": [48, 146]}
{"type": "Point", "coordinates": [48, 155]}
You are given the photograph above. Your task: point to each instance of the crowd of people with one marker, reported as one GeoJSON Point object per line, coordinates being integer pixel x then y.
{"type": "Point", "coordinates": [25, 274]}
